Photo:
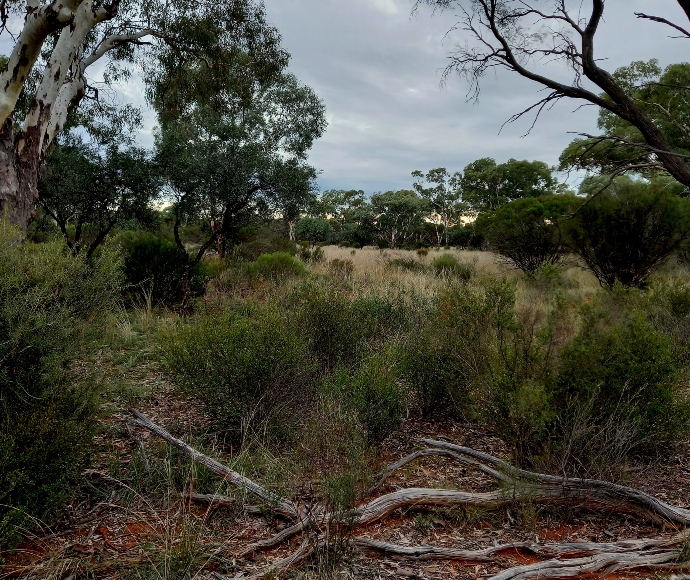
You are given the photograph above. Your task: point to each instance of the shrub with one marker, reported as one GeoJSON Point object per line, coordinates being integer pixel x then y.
{"type": "Point", "coordinates": [422, 252]}
{"type": "Point", "coordinates": [447, 265]}
{"type": "Point", "coordinates": [251, 370]}
{"type": "Point", "coordinates": [344, 244]}
{"type": "Point", "coordinates": [49, 304]}
{"type": "Point", "coordinates": [526, 232]}
{"type": "Point", "coordinates": [342, 329]}
{"type": "Point", "coordinates": [628, 231]}
{"type": "Point", "coordinates": [373, 392]}
{"type": "Point", "coordinates": [153, 264]}
{"type": "Point", "coordinates": [312, 254]}
{"type": "Point", "coordinates": [409, 264]}
{"type": "Point", "coordinates": [277, 265]}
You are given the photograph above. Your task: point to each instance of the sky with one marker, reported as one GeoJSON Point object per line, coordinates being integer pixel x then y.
{"type": "Point", "coordinates": [379, 69]}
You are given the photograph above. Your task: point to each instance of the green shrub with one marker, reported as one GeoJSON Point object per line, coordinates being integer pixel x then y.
{"type": "Point", "coordinates": [374, 393]}
{"type": "Point", "coordinates": [311, 254]}
{"type": "Point", "coordinates": [448, 265]}
{"type": "Point", "coordinates": [526, 232]}
{"type": "Point", "coordinates": [342, 329]}
{"type": "Point", "coordinates": [422, 252]}
{"type": "Point", "coordinates": [628, 231]}
{"type": "Point", "coordinates": [251, 370]}
{"type": "Point", "coordinates": [154, 264]}
{"type": "Point", "coordinates": [49, 307]}
{"type": "Point", "coordinates": [313, 230]}
{"type": "Point", "coordinates": [344, 244]}
{"type": "Point", "coordinates": [276, 266]}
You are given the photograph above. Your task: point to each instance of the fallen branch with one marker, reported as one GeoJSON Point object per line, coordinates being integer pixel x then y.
{"type": "Point", "coordinates": [567, 559]}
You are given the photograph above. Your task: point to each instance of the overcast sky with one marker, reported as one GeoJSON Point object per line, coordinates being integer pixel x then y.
{"type": "Point", "coordinates": [378, 69]}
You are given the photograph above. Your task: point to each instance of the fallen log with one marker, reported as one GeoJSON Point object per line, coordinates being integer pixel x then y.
{"type": "Point", "coordinates": [566, 559]}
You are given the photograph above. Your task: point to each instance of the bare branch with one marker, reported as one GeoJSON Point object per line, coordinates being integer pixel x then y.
{"type": "Point", "coordinates": [680, 29]}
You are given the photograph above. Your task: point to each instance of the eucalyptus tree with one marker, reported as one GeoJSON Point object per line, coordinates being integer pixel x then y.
{"type": "Point", "coordinates": [521, 35]}
{"type": "Point", "coordinates": [444, 196]}
{"type": "Point", "coordinates": [398, 214]}
{"type": "Point", "coordinates": [238, 157]}
{"type": "Point", "coordinates": [664, 95]}
{"type": "Point", "coordinates": [47, 74]}
{"type": "Point", "coordinates": [486, 185]}
{"type": "Point", "coordinates": [89, 190]}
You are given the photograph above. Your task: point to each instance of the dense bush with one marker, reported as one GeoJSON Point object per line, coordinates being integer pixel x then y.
{"type": "Point", "coordinates": [276, 266]}
{"type": "Point", "coordinates": [448, 265]}
{"type": "Point", "coordinates": [409, 264]}
{"type": "Point", "coordinates": [589, 400]}
{"type": "Point", "coordinates": [374, 393]}
{"type": "Point", "coordinates": [251, 369]}
{"type": "Point", "coordinates": [625, 233]}
{"type": "Point", "coordinates": [47, 300]}
{"type": "Point", "coordinates": [527, 232]}
{"type": "Point", "coordinates": [154, 265]}
{"type": "Point", "coordinates": [342, 329]}
{"type": "Point", "coordinates": [341, 269]}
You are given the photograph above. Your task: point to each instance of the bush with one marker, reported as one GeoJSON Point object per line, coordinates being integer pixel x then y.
{"type": "Point", "coordinates": [629, 230]}
{"type": "Point", "coordinates": [447, 265]}
{"type": "Point", "coordinates": [311, 254]}
{"type": "Point", "coordinates": [276, 266]}
{"type": "Point", "coordinates": [341, 329]}
{"type": "Point", "coordinates": [251, 370]}
{"type": "Point", "coordinates": [344, 244]}
{"type": "Point", "coordinates": [409, 264]}
{"type": "Point", "coordinates": [153, 264]}
{"type": "Point", "coordinates": [49, 302]}
{"type": "Point", "coordinates": [422, 252]}
{"type": "Point", "coordinates": [584, 402]}
{"type": "Point", "coordinates": [374, 393]}
{"type": "Point", "coordinates": [526, 232]}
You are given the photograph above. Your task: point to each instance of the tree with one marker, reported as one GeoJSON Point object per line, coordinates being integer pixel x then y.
{"type": "Point", "coordinates": [487, 185]}
{"type": "Point", "coordinates": [628, 230]}
{"type": "Point", "coordinates": [443, 195]}
{"type": "Point", "coordinates": [313, 230]}
{"type": "Point", "coordinates": [527, 232]}
{"type": "Point", "coordinates": [516, 35]}
{"type": "Point", "coordinates": [46, 75]}
{"type": "Point", "coordinates": [398, 213]}
{"type": "Point", "coordinates": [88, 191]}
{"type": "Point", "coordinates": [239, 159]}
{"type": "Point", "coordinates": [663, 95]}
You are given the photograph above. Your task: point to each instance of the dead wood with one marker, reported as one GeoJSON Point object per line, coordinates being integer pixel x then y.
{"type": "Point", "coordinates": [566, 559]}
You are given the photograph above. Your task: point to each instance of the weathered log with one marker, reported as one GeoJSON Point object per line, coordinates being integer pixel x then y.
{"type": "Point", "coordinates": [604, 494]}
{"type": "Point", "coordinates": [571, 559]}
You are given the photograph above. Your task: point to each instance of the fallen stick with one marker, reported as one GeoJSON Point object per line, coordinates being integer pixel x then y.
{"type": "Point", "coordinates": [585, 557]}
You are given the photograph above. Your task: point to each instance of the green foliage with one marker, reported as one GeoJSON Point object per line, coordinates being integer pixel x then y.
{"type": "Point", "coordinates": [373, 392]}
{"type": "Point", "coordinates": [311, 254]}
{"type": "Point", "coordinates": [487, 185]}
{"type": "Point", "coordinates": [660, 93]}
{"type": "Point", "coordinates": [398, 213]}
{"type": "Point", "coordinates": [341, 330]}
{"type": "Point", "coordinates": [276, 266]}
{"type": "Point", "coordinates": [153, 264]}
{"type": "Point", "coordinates": [250, 369]}
{"type": "Point", "coordinates": [627, 232]}
{"type": "Point", "coordinates": [409, 264]}
{"type": "Point", "coordinates": [47, 300]}
{"type": "Point", "coordinates": [527, 232]}
{"type": "Point", "coordinates": [314, 230]}
{"type": "Point", "coordinates": [449, 265]}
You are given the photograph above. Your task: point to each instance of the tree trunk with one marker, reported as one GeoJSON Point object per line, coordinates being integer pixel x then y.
{"type": "Point", "coordinates": [19, 173]}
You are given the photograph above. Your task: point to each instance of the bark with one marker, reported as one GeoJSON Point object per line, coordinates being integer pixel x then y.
{"type": "Point", "coordinates": [566, 559]}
